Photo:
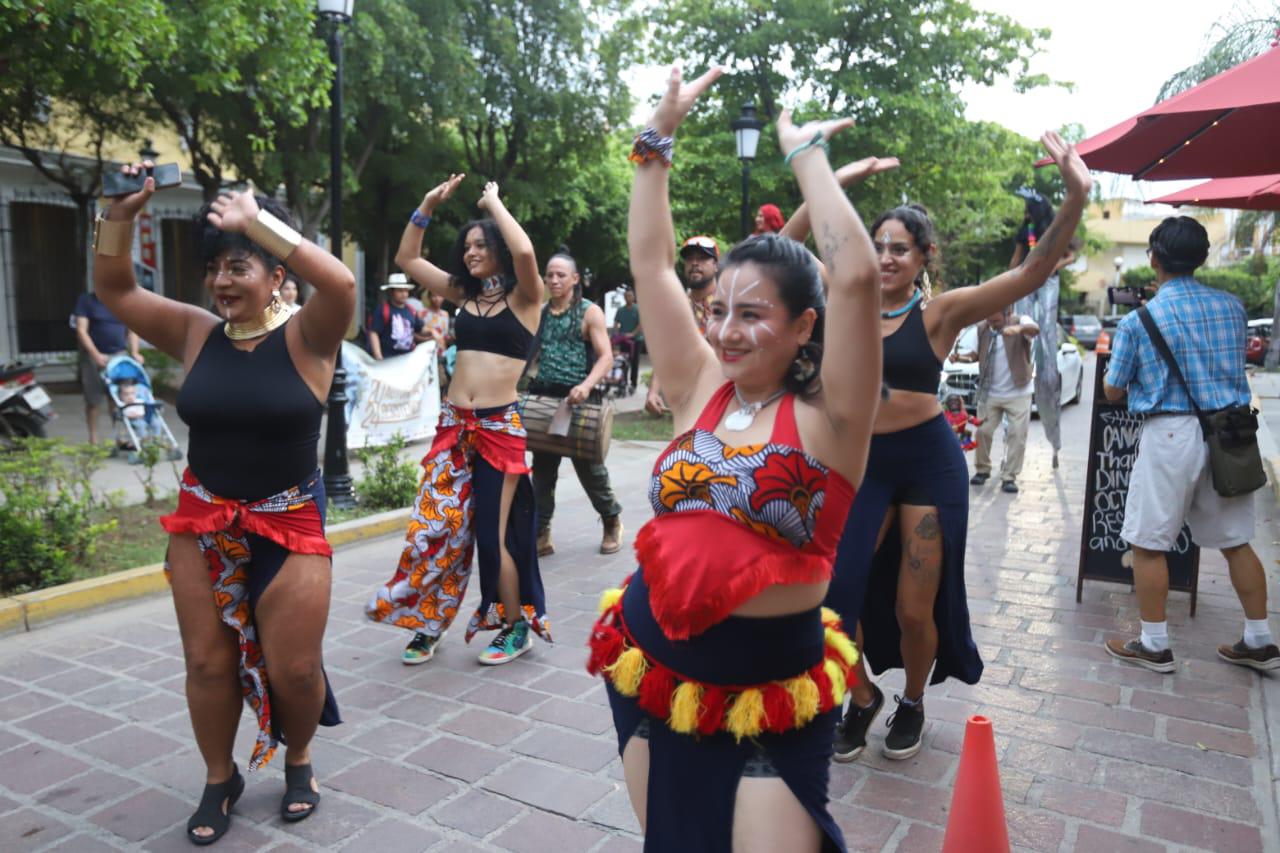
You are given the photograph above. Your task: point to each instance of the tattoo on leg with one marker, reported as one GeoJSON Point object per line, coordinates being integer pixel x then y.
{"type": "Point", "coordinates": [928, 528]}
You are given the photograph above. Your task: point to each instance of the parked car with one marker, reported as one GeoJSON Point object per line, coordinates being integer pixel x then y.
{"type": "Point", "coordinates": [959, 377]}
{"type": "Point", "coordinates": [1257, 341]}
{"type": "Point", "coordinates": [1084, 328]}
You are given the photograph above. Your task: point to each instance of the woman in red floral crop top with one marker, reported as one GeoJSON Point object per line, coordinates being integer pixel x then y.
{"type": "Point", "coordinates": [724, 674]}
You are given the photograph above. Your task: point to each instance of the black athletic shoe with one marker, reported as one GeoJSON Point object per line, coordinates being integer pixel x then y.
{"type": "Point", "coordinates": [906, 726]}
{"type": "Point", "coordinates": [1009, 487]}
{"type": "Point", "coordinates": [979, 479]}
{"type": "Point", "coordinates": [851, 733]}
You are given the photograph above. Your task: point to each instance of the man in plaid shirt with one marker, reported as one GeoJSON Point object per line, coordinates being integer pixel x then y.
{"type": "Point", "coordinates": [1171, 481]}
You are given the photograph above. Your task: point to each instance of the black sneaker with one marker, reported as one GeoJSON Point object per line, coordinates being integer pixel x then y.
{"type": "Point", "coordinates": [851, 732]}
{"type": "Point", "coordinates": [1009, 487]}
{"type": "Point", "coordinates": [906, 725]}
{"type": "Point", "coordinates": [979, 479]}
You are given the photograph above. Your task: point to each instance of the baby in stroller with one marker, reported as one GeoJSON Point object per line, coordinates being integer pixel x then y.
{"type": "Point", "coordinates": [135, 412]}
{"type": "Point", "coordinates": [615, 382]}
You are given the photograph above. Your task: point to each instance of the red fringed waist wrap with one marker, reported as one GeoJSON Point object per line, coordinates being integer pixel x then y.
{"type": "Point", "coordinates": [291, 519]}
{"type": "Point", "coordinates": [690, 706]}
{"type": "Point", "coordinates": [701, 566]}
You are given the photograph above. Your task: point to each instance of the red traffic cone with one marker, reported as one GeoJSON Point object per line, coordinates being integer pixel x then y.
{"type": "Point", "coordinates": [977, 823]}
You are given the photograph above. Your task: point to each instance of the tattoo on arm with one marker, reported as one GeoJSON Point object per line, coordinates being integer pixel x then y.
{"type": "Point", "coordinates": [829, 243]}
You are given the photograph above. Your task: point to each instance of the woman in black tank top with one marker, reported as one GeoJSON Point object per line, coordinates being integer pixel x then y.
{"type": "Point", "coordinates": [909, 595]}
{"type": "Point", "coordinates": [248, 559]}
{"type": "Point", "coordinates": [476, 494]}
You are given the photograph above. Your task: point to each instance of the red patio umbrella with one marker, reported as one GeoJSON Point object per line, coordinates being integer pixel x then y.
{"type": "Point", "coordinates": [1226, 127]}
{"type": "Point", "coordinates": [1259, 192]}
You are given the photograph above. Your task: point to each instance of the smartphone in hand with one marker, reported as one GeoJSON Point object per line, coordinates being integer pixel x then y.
{"type": "Point", "coordinates": [116, 184]}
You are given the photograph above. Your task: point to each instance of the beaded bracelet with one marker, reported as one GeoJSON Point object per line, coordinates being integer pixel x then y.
{"type": "Point", "coordinates": [812, 143]}
{"type": "Point", "coordinates": [420, 219]}
{"type": "Point", "coordinates": [650, 145]}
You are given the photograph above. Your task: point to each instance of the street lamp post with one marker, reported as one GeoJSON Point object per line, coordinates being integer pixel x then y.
{"type": "Point", "coordinates": [337, 473]}
{"type": "Point", "coordinates": [1119, 263]}
{"type": "Point", "coordinates": [746, 132]}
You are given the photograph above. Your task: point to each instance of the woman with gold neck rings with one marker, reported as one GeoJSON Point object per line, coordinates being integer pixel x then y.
{"type": "Point", "coordinates": [247, 557]}
{"type": "Point", "coordinates": [476, 494]}
{"type": "Point", "coordinates": [909, 595]}
{"type": "Point", "coordinates": [724, 675]}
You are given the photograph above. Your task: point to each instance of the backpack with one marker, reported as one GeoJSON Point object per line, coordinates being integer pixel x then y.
{"type": "Point", "coordinates": [362, 334]}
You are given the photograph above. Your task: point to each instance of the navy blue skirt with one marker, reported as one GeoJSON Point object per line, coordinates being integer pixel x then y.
{"type": "Point", "coordinates": [928, 459]}
{"type": "Point", "coordinates": [693, 780]}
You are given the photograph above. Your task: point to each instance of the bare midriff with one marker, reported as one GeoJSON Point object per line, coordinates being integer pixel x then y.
{"type": "Point", "coordinates": [784, 599]}
{"type": "Point", "coordinates": [482, 380]}
{"type": "Point", "coordinates": [905, 409]}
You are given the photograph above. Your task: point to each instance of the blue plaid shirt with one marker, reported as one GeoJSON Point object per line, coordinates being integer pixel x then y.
{"type": "Point", "coordinates": [1205, 329]}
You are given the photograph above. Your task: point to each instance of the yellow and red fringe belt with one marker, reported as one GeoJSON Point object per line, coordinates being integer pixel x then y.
{"type": "Point", "coordinates": [689, 706]}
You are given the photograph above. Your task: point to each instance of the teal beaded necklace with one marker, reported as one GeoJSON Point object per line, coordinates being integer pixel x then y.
{"type": "Point", "coordinates": [898, 312]}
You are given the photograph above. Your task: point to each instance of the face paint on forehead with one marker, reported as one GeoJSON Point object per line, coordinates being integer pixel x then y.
{"type": "Point", "coordinates": [885, 238]}
{"type": "Point", "coordinates": [734, 297]}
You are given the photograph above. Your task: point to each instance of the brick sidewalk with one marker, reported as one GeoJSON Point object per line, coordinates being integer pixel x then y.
{"type": "Point", "coordinates": [1095, 756]}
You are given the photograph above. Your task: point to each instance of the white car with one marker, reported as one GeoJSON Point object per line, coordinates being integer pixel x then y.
{"type": "Point", "coordinates": [960, 377]}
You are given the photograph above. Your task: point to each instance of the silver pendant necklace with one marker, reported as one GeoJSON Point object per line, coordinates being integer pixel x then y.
{"type": "Point", "coordinates": [746, 414]}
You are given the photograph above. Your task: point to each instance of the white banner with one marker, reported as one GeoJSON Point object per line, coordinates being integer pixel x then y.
{"type": "Point", "coordinates": [400, 394]}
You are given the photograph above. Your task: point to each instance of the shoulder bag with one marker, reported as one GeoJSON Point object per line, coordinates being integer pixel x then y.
{"type": "Point", "coordinates": [1232, 433]}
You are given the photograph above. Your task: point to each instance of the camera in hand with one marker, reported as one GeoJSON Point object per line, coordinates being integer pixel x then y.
{"type": "Point", "coordinates": [1130, 295]}
{"type": "Point", "coordinates": [116, 184]}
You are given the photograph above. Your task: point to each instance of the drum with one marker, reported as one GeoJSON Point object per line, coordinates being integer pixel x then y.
{"type": "Point", "coordinates": [585, 436]}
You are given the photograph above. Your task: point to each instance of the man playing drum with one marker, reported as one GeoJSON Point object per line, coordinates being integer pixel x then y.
{"type": "Point", "coordinates": [575, 356]}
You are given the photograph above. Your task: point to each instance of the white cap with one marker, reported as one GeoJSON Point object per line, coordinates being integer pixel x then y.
{"type": "Point", "coordinates": [398, 280]}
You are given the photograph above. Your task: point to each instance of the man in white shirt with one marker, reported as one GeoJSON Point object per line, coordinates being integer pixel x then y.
{"type": "Point", "coordinates": [1005, 385]}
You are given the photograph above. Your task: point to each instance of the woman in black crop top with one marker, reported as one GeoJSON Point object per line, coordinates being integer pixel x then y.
{"type": "Point", "coordinates": [248, 559]}
{"type": "Point", "coordinates": [909, 594]}
{"type": "Point", "coordinates": [476, 494]}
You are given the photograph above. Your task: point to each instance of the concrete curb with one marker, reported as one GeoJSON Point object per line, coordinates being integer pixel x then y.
{"type": "Point", "coordinates": [31, 610]}
{"type": "Point", "coordinates": [1267, 444]}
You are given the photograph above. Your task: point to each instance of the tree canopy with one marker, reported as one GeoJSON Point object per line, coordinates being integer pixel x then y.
{"type": "Point", "coordinates": [533, 94]}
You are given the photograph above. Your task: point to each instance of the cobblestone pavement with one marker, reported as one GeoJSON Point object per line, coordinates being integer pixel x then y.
{"type": "Point", "coordinates": [1094, 756]}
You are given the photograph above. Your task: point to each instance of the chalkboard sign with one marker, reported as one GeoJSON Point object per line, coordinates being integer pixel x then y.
{"type": "Point", "coordinates": [1113, 448]}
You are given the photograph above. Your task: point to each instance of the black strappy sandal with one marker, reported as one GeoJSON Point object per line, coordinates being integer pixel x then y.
{"type": "Point", "coordinates": [297, 780]}
{"type": "Point", "coordinates": [210, 813]}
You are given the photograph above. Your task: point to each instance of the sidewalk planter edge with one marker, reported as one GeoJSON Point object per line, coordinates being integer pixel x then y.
{"type": "Point", "coordinates": [30, 610]}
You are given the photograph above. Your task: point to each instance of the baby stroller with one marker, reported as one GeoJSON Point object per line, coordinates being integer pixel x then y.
{"type": "Point", "coordinates": [617, 382]}
{"type": "Point", "coordinates": [135, 411]}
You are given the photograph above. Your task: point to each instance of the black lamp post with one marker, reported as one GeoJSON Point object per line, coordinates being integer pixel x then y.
{"type": "Point", "coordinates": [148, 151]}
{"type": "Point", "coordinates": [337, 473]}
{"type": "Point", "coordinates": [746, 133]}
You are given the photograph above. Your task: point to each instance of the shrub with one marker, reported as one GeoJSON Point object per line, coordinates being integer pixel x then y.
{"type": "Point", "coordinates": [389, 482]}
{"type": "Point", "coordinates": [45, 501]}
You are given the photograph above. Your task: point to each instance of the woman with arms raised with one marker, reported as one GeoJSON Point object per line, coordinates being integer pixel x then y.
{"type": "Point", "coordinates": [247, 557]}
{"type": "Point", "coordinates": [724, 675]}
{"type": "Point", "coordinates": [909, 596]}
{"type": "Point", "coordinates": [475, 493]}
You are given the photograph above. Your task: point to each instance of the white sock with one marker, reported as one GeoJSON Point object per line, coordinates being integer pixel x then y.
{"type": "Point", "coordinates": [1256, 633]}
{"type": "Point", "coordinates": [1155, 636]}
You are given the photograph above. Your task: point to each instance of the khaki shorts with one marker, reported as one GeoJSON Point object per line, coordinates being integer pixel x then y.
{"type": "Point", "coordinates": [95, 390]}
{"type": "Point", "coordinates": [1172, 483]}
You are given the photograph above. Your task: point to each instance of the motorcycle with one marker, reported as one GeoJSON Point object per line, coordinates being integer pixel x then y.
{"type": "Point", "coordinates": [25, 407]}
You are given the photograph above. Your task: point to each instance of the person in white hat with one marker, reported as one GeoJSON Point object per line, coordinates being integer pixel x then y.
{"type": "Point", "coordinates": [394, 328]}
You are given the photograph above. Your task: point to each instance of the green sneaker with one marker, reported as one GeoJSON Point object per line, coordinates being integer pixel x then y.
{"type": "Point", "coordinates": [508, 645]}
{"type": "Point", "coordinates": [420, 649]}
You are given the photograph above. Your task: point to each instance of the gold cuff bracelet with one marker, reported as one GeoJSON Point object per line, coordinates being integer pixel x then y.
{"type": "Point", "coordinates": [112, 237]}
{"type": "Point", "coordinates": [273, 235]}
